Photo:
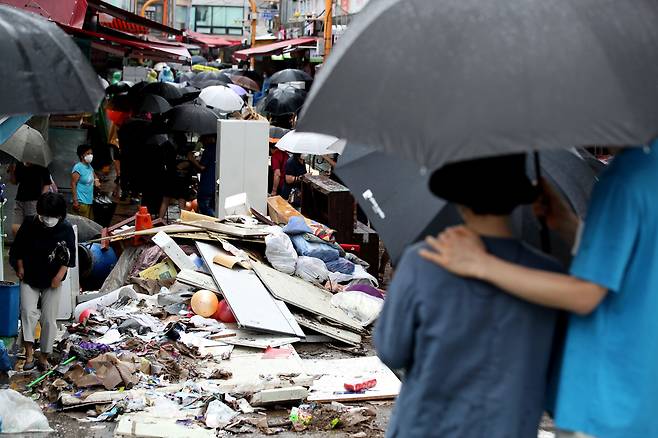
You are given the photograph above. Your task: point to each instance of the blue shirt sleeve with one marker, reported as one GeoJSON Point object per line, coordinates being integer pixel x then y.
{"type": "Point", "coordinates": [396, 327]}
{"type": "Point", "coordinates": [610, 235]}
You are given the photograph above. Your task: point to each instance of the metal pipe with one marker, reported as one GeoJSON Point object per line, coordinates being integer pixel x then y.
{"type": "Point", "coordinates": [328, 26]}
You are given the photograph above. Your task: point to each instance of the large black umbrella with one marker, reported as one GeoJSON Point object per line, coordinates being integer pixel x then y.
{"type": "Point", "coordinates": [395, 196]}
{"type": "Point", "coordinates": [192, 118]}
{"type": "Point", "coordinates": [163, 89]}
{"type": "Point", "coordinates": [290, 75]}
{"type": "Point", "coordinates": [206, 79]}
{"type": "Point", "coordinates": [118, 88]}
{"type": "Point", "coordinates": [491, 77]}
{"type": "Point", "coordinates": [281, 101]}
{"type": "Point", "coordinates": [151, 103]}
{"type": "Point", "coordinates": [42, 70]}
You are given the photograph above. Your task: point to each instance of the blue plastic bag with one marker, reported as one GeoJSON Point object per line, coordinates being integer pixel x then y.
{"type": "Point", "coordinates": [321, 251]}
{"type": "Point", "coordinates": [5, 360]}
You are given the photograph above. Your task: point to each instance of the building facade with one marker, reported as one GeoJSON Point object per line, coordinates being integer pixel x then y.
{"type": "Point", "coordinates": [305, 17]}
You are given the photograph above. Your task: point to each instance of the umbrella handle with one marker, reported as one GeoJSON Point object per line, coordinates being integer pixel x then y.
{"type": "Point", "coordinates": [544, 233]}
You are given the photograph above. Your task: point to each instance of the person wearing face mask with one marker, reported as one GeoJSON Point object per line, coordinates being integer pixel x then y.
{"type": "Point", "coordinates": [43, 250]}
{"type": "Point", "coordinates": [83, 180]}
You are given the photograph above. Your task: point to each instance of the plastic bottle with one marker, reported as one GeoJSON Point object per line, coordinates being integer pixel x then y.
{"type": "Point", "coordinates": [142, 222]}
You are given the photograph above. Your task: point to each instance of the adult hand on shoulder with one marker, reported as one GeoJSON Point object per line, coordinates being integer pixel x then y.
{"type": "Point", "coordinates": [458, 250]}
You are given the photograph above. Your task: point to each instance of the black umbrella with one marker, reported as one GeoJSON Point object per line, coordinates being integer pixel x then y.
{"type": "Point", "coordinates": [282, 101]}
{"type": "Point", "coordinates": [290, 75]}
{"type": "Point", "coordinates": [491, 77]}
{"type": "Point", "coordinates": [118, 88]}
{"type": "Point", "coordinates": [151, 103]}
{"type": "Point", "coordinates": [277, 133]}
{"type": "Point", "coordinates": [192, 118]}
{"type": "Point", "coordinates": [163, 89]}
{"type": "Point", "coordinates": [246, 73]}
{"type": "Point", "coordinates": [43, 71]}
{"type": "Point", "coordinates": [395, 196]}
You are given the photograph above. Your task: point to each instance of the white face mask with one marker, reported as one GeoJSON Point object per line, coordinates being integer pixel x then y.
{"type": "Point", "coordinates": [89, 158]}
{"type": "Point", "coordinates": [49, 221]}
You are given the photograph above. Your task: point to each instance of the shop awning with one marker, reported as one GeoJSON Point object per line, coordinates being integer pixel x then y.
{"type": "Point", "coordinates": [274, 48]}
{"type": "Point", "coordinates": [134, 19]}
{"type": "Point", "coordinates": [210, 40]}
{"type": "Point", "coordinates": [68, 12]}
{"type": "Point", "coordinates": [122, 25]}
{"type": "Point", "coordinates": [132, 46]}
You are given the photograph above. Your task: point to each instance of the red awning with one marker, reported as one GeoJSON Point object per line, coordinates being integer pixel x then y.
{"type": "Point", "coordinates": [122, 25]}
{"type": "Point", "coordinates": [274, 48]}
{"type": "Point", "coordinates": [122, 14]}
{"type": "Point", "coordinates": [147, 49]}
{"type": "Point", "coordinates": [68, 12]}
{"type": "Point", "coordinates": [210, 40]}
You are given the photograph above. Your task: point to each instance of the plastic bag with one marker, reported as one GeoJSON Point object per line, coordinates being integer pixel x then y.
{"type": "Point", "coordinates": [19, 414]}
{"type": "Point", "coordinates": [322, 251]}
{"type": "Point", "coordinates": [358, 305]}
{"type": "Point", "coordinates": [312, 270]}
{"type": "Point", "coordinates": [5, 361]}
{"type": "Point", "coordinates": [219, 415]}
{"type": "Point", "coordinates": [280, 253]}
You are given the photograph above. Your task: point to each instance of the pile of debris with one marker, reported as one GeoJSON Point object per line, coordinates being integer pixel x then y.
{"type": "Point", "coordinates": [194, 331]}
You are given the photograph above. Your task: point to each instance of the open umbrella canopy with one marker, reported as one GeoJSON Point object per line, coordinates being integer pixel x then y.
{"type": "Point", "coordinates": [118, 88]}
{"type": "Point", "coordinates": [238, 89]}
{"type": "Point", "coordinates": [151, 103]}
{"type": "Point", "coordinates": [205, 79]}
{"type": "Point", "coordinates": [222, 98]}
{"type": "Point", "coordinates": [506, 76]}
{"type": "Point", "coordinates": [192, 118]}
{"type": "Point", "coordinates": [394, 193]}
{"type": "Point", "coordinates": [163, 89]}
{"type": "Point", "coordinates": [245, 82]}
{"type": "Point", "coordinates": [27, 145]}
{"type": "Point", "coordinates": [197, 59]}
{"type": "Point", "coordinates": [290, 75]}
{"type": "Point", "coordinates": [282, 101]}
{"type": "Point", "coordinates": [43, 71]}
{"type": "Point", "coordinates": [310, 143]}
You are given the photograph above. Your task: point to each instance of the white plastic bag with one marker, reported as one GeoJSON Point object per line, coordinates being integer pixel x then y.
{"type": "Point", "coordinates": [358, 305]}
{"type": "Point", "coordinates": [312, 270]}
{"type": "Point", "coordinates": [280, 252]}
{"type": "Point", "coordinates": [219, 415]}
{"type": "Point", "coordinates": [19, 414]}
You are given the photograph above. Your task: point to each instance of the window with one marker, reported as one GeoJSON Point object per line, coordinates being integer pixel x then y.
{"type": "Point", "coordinates": [218, 20]}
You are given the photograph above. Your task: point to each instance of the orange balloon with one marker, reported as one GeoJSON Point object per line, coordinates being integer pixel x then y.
{"type": "Point", "coordinates": [195, 205]}
{"type": "Point", "coordinates": [204, 303]}
{"type": "Point", "coordinates": [224, 313]}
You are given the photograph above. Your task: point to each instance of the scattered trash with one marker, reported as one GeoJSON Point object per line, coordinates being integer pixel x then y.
{"type": "Point", "coordinates": [301, 417]}
{"type": "Point", "coordinates": [280, 252]}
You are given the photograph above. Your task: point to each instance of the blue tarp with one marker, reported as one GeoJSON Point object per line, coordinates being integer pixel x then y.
{"type": "Point", "coordinates": [9, 125]}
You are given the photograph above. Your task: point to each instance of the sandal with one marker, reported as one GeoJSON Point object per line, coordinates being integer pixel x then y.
{"type": "Point", "coordinates": [28, 366]}
{"type": "Point", "coordinates": [42, 366]}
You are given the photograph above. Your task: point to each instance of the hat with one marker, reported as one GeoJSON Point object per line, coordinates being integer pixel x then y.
{"type": "Point", "coordinates": [495, 185]}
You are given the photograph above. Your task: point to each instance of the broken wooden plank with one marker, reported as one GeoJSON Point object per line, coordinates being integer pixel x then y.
{"type": "Point", "coordinates": [250, 302]}
{"type": "Point", "coordinates": [173, 251]}
{"type": "Point", "coordinates": [232, 230]}
{"type": "Point", "coordinates": [304, 295]}
{"type": "Point", "coordinates": [251, 339]}
{"type": "Point", "coordinates": [336, 372]}
{"type": "Point", "coordinates": [279, 395]}
{"type": "Point", "coordinates": [197, 279]}
{"type": "Point", "coordinates": [336, 333]}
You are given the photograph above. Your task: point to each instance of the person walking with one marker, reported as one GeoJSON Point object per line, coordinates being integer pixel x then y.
{"type": "Point", "coordinates": [608, 384]}
{"type": "Point", "coordinates": [83, 180]}
{"type": "Point", "coordinates": [476, 360]}
{"type": "Point", "coordinates": [32, 181]}
{"type": "Point", "coordinates": [41, 254]}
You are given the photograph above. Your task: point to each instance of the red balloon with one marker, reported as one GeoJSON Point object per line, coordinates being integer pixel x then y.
{"type": "Point", "coordinates": [224, 313]}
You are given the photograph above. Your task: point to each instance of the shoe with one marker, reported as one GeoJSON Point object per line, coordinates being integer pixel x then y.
{"type": "Point", "coordinates": [28, 366]}
{"type": "Point", "coordinates": [42, 366]}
